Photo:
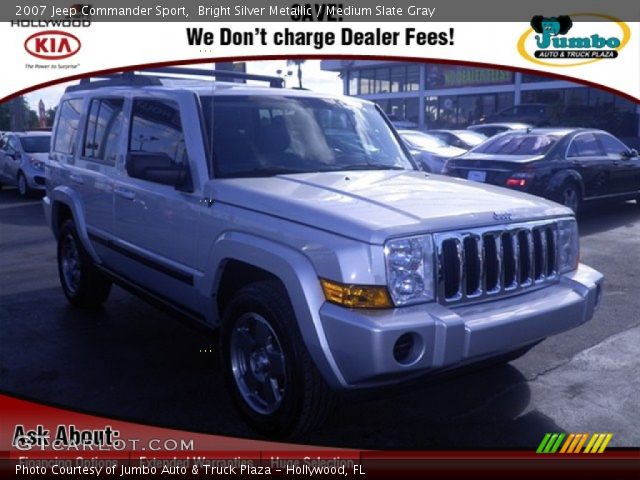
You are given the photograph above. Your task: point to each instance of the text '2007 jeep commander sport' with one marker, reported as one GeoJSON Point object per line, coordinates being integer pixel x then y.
{"type": "Point", "coordinates": [298, 224]}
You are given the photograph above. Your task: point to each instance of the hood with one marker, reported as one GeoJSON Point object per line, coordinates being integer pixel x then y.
{"type": "Point", "coordinates": [42, 157]}
{"type": "Point", "coordinates": [372, 206]}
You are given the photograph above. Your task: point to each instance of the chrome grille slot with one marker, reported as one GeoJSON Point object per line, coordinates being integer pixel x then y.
{"type": "Point", "coordinates": [539, 254]}
{"type": "Point", "coordinates": [451, 268]}
{"type": "Point", "coordinates": [473, 264]}
{"type": "Point", "coordinates": [525, 257]}
{"type": "Point", "coordinates": [495, 261]}
{"type": "Point", "coordinates": [509, 260]}
{"type": "Point", "coordinates": [492, 262]}
{"type": "Point", "coordinates": [550, 234]}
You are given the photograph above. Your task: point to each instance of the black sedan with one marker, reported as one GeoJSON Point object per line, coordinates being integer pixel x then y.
{"type": "Point", "coordinates": [568, 165]}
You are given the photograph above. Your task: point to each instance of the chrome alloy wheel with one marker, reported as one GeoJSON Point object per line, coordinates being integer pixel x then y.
{"type": "Point", "coordinates": [258, 363]}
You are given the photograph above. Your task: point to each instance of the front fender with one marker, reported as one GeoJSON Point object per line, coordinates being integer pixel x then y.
{"type": "Point", "coordinates": [62, 195]}
{"type": "Point", "coordinates": [299, 278]}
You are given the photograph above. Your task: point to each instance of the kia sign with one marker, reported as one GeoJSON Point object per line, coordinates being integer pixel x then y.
{"type": "Point", "coordinates": [52, 45]}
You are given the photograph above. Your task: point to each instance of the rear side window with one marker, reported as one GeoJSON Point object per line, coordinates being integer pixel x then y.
{"type": "Point", "coordinates": [103, 130]}
{"type": "Point", "coordinates": [156, 128]}
{"type": "Point", "coordinates": [585, 145]}
{"type": "Point", "coordinates": [68, 123]}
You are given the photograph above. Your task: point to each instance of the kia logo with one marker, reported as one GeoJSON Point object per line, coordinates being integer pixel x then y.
{"type": "Point", "coordinates": [52, 45]}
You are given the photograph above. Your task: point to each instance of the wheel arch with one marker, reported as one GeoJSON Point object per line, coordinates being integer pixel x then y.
{"type": "Point", "coordinates": [66, 203]}
{"type": "Point", "coordinates": [560, 178]}
{"type": "Point", "coordinates": [237, 253]}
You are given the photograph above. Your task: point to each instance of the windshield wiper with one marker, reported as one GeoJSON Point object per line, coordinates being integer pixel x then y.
{"type": "Point", "coordinates": [265, 172]}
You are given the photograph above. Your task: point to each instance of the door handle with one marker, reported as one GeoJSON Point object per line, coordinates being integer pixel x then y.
{"type": "Point", "coordinates": [126, 194]}
{"type": "Point", "coordinates": [76, 178]}
{"type": "Point", "coordinates": [616, 163]}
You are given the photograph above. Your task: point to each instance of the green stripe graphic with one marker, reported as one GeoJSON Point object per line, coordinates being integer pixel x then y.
{"type": "Point", "coordinates": [543, 443]}
{"type": "Point", "coordinates": [550, 443]}
{"type": "Point", "coordinates": [557, 444]}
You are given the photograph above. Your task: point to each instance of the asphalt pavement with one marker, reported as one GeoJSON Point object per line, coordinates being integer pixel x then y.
{"type": "Point", "coordinates": [134, 362]}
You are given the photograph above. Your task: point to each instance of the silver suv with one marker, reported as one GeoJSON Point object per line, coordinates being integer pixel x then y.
{"type": "Point", "coordinates": [298, 224]}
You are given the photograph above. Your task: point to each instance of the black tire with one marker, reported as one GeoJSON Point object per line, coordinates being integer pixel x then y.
{"type": "Point", "coordinates": [23, 185]}
{"type": "Point", "coordinates": [305, 399]}
{"type": "Point", "coordinates": [89, 288]}
{"type": "Point", "coordinates": [570, 196]}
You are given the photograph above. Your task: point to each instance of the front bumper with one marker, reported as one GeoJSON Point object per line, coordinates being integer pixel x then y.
{"type": "Point", "coordinates": [362, 342]}
{"type": "Point", "coordinates": [35, 178]}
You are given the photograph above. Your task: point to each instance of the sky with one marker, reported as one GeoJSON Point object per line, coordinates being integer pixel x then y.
{"type": "Point", "coordinates": [312, 78]}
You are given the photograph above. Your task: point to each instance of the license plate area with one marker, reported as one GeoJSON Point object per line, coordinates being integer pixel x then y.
{"type": "Point", "coordinates": [477, 176]}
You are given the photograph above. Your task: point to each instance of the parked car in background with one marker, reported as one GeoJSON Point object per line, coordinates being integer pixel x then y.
{"type": "Point", "coordinates": [22, 159]}
{"type": "Point", "coordinates": [568, 165]}
{"type": "Point", "coordinates": [538, 114]}
{"type": "Point", "coordinates": [403, 124]}
{"type": "Point", "coordinates": [465, 139]}
{"type": "Point", "coordinates": [429, 151]}
{"type": "Point", "coordinates": [491, 129]}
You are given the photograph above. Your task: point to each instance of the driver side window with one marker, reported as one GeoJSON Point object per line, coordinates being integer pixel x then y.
{"type": "Point", "coordinates": [156, 128]}
{"type": "Point", "coordinates": [613, 148]}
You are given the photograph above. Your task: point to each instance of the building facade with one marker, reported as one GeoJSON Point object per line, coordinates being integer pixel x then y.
{"type": "Point", "coordinates": [432, 95]}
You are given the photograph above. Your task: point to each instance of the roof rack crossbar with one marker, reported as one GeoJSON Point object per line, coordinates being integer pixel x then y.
{"type": "Point", "coordinates": [133, 79]}
{"type": "Point", "coordinates": [124, 79]}
{"type": "Point", "coordinates": [274, 82]}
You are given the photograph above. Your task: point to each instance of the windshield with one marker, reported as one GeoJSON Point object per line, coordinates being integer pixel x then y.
{"type": "Point", "coordinates": [422, 140]}
{"type": "Point", "coordinates": [518, 144]}
{"type": "Point", "coordinates": [39, 144]}
{"type": "Point", "coordinates": [267, 135]}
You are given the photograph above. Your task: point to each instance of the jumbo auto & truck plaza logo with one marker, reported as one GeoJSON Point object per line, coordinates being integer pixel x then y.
{"type": "Point", "coordinates": [567, 40]}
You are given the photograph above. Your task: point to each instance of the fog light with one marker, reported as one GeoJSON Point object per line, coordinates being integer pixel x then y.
{"type": "Point", "coordinates": [408, 348]}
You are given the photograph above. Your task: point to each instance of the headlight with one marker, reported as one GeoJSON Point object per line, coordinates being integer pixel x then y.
{"type": "Point", "coordinates": [568, 245]}
{"type": "Point", "coordinates": [37, 164]}
{"type": "Point", "coordinates": [409, 264]}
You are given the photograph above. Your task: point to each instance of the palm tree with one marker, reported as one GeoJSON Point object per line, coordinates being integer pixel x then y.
{"type": "Point", "coordinates": [297, 63]}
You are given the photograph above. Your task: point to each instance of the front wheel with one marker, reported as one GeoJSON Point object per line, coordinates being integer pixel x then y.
{"type": "Point", "coordinates": [23, 185]}
{"type": "Point", "coordinates": [272, 379]}
{"type": "Point", "coordinates": [82, 283]}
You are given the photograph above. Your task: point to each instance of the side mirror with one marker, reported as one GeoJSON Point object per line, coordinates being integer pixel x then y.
{"type": "Point", "coordinates": [159, 168]}
{"type": "Point", "coordinates": [629, 154]}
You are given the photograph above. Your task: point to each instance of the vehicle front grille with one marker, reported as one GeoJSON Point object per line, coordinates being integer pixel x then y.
{"type": "Point", "coordinates": [483, 263]}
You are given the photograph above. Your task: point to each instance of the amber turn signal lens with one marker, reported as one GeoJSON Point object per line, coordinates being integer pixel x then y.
{"type": "Point", "coordinates": [356, 296]}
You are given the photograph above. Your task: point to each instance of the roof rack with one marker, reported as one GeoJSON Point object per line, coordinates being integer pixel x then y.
{"type": "Point", "coordinates": [152, 77]}
{"type": "Point", "coordinates": [274, 82]}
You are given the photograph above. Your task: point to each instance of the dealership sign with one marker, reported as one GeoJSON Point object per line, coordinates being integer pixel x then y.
{"type": "Point", "coordinates": [52, 45]}
{"type": "Point", "coordinates": [562, 42]}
